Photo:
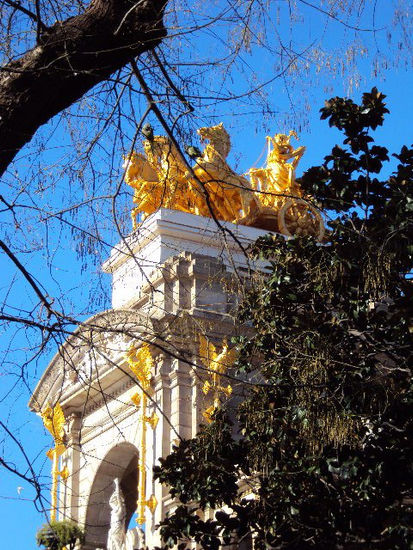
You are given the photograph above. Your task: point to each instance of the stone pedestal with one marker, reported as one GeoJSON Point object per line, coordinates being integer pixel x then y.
{"type": "Point", "coordinates": [141, 257]}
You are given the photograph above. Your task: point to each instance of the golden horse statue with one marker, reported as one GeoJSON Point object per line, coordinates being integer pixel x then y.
{"type": "Point", "coordinates": [159, 178]}
{"type": "Point", "coordinates": [272, 199]}
{"type": "Point", "coordinates": [230, 194]}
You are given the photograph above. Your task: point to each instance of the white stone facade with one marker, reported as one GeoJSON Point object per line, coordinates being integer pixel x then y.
{"type": "Point", "coordinates": [175, 277]}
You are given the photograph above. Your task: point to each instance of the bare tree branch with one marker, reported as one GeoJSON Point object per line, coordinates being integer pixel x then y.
{"type": "Point", "coordinates": [33, 16]}
{"type": "Point", "coordinates": [73, 56]}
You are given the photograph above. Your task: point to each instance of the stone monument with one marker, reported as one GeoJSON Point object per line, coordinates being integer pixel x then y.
{"type": "Point", "coordinates": [131, 381]}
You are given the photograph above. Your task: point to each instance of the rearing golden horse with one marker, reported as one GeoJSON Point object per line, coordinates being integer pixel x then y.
{"type": "Point", "coordinates": [159, 178]}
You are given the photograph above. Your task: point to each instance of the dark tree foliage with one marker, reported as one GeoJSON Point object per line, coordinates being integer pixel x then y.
{"type": "Point", "coordinates": [320, 453]}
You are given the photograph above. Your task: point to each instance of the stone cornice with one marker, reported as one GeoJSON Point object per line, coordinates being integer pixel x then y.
{"type": "Point", "coordinates": [59, 379]}
{"type": "Point", "coordinates": [183, 226]}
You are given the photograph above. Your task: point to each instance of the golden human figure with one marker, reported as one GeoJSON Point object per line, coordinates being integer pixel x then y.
{"type": "Point", "coordinates": [282, 172]}
{"type": "Point", "coordinates": [158, 178]}
{"type": "Point", "coordinates": [161, 178]}
{"type": "Point", "coordinates": [277, 178]}
{"type": "Point", "coordinates": [229, 192]}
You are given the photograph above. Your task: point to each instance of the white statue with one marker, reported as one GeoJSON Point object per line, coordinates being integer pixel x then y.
{"type": "Point", "coordinates": [134, 539]}
{"type": "Point", "coordinates": [116, 535]}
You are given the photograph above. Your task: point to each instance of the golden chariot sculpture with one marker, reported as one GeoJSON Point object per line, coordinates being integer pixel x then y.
{"type": "Point", "coordinates": [269, 198]}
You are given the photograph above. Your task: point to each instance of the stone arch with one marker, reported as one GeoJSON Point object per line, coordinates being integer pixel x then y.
{"type": "Point", "coordinates": [120, 462]}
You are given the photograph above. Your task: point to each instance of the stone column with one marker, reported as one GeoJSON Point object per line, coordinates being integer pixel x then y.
{"type": "Point", "coordinates": [197, 404]}
{"type": "Point", "coordinates": [181, 399]}
{"type": "Point", "coordinates": [69, 489]}
{"type": "Point", "coordinates": [159, 443]}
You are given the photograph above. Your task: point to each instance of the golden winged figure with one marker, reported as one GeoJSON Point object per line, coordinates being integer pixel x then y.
{"type": "Point", "coordinates": [54, 421]}
{"type": "Point", "coordinates": [140, 362]}
{"type": "Point", "coordinates": [217, 364]}
{"type": "Point", "coordinates": [214, 361]}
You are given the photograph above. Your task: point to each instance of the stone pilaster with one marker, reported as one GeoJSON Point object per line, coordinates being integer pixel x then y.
{"type": "Point", "coordinates": [69, 489]}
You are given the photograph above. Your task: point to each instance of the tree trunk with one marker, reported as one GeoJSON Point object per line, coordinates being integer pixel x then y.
{"type": "Point", "coordinates": [71, 58]}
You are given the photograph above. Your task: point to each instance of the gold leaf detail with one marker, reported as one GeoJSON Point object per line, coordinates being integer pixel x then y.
{"type": "Point", "coordinates": [54, 420]}
{"type": "Point", "coordinates": [152, 503]}
{"type": "Point", "coordinates": [140, 362]}
{"type": "Point", "coordinates": [64, 474]}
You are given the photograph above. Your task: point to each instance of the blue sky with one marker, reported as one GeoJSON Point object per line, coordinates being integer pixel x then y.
{"type": "Point", "coordinates": [75, 280]}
